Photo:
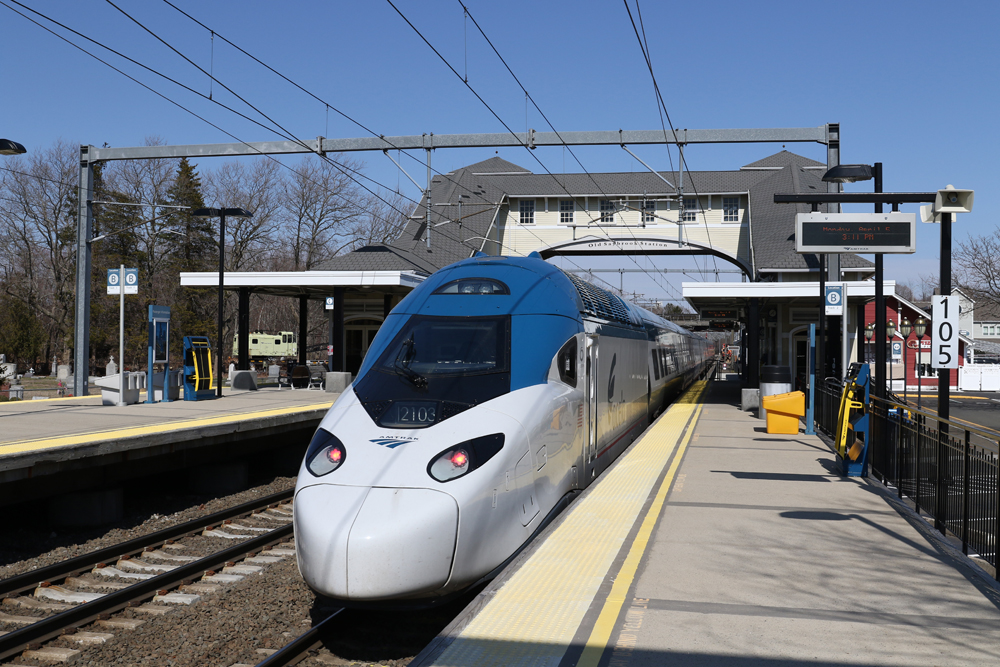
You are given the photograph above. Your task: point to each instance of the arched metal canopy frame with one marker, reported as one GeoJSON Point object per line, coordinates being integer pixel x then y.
{"type": "Point", "coordinates": [609, 246]}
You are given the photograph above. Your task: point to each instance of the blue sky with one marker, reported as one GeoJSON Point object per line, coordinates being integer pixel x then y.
{"type": "Point", "coordinates": [911, 87]}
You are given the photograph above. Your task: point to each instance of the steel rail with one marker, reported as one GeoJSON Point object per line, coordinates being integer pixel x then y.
{"type": "Point", "coordinates": [47, 628]}
{"type": "Point", "coordinates": [67, 568]}
{"type": "Point", "coordinates": [295, 651]}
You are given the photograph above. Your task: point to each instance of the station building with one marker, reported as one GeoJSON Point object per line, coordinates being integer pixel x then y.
{"type": "Point", "coordinates": [498, 207]}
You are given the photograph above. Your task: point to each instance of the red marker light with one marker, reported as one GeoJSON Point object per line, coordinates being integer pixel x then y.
{"type": "Point", "coordinates": [335, 454]}
{"type": "Point", "coordinates": [459, 459]}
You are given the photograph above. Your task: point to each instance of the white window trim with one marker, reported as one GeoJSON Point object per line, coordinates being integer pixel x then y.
{"type": "Point", "coordinates": [571, 211]}
{"type": "Point", "coordinates": [520, 211]}
{"type": "Point", "coordinates": [738, 209]}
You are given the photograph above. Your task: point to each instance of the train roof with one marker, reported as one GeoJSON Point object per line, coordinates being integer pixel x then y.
{"type": "Point", "coordinates": [558, 292]}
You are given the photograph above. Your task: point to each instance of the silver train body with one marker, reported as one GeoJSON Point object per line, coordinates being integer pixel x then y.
{"type": "Point", "coordinates": [496, 389]}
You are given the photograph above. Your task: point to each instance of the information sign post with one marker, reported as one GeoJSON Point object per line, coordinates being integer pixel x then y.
{"type": "Point", "coordinates": [122, 281]}
{"type": "Point", "coordinates": [944, 337]}
{"type": "Point", "coordinates": [158, 351]}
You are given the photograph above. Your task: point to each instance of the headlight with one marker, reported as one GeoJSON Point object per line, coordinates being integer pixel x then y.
{"type": "Point", "coordinates": [326, 453]}
{"type": "Point", "coordinates": [464, 457]}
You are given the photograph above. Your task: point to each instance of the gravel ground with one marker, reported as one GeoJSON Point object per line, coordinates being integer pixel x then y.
{"type": "Point", "coordinates": [241, 623]}
{"type": "Point", "coordinates": [32, 543]}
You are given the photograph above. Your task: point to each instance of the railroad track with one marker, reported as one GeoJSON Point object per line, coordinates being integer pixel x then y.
{"type": "Point", "coordinates": [85, 589]}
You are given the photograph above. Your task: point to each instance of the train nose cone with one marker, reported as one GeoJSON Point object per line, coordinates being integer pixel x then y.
{"type": "Point", "coordinates": [323, 516]}
{"type": "Point", "coordinates": [402, 543]}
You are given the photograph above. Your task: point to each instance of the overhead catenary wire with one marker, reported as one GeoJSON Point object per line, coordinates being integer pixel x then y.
{"type": "Point", "coordinates": [682, 161]}
{"type": "Point", "coordinates": [301, 88]}
{"type": "Point", "coordinates": [343, 114]}
{"type": "Point", "coordinates": [399, 226]}
{"type": "Point", "coordinates": [493, 112]}
{"type": "Point", "coordinates": [189, 111]}
{"type": "Point", "coordinates": [528, 97]}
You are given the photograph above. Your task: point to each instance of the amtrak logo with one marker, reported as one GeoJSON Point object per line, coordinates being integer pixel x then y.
{"type": "Point", "coordinates": [391, 443]}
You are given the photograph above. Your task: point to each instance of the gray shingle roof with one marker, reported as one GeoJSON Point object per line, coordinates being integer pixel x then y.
{"type": "Point", "coordinates": [482, 188]}
{"type": "Point", "coordinates": [782, 159]}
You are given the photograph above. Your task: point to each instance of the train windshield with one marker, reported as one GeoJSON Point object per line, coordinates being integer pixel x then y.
{"type": "Point", "coordinates": [437, 367]}
{"type": "Point", "coordinates": [448, 346]}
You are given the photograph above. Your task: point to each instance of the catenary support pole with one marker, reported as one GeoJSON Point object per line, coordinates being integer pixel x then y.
{"type": "Point", "coordinates": [84, 230]}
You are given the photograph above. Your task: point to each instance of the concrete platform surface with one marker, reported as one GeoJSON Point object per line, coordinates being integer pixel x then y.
{"type": "Point", "coordinates": [751, 551]}
{"type": "Point", "coordinates": [35, 421]}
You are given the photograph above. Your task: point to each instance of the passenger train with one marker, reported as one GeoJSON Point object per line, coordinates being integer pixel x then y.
{"type": "Point", "coordinates": [494, 391]}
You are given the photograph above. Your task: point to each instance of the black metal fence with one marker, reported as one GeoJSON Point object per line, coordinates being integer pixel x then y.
{"type": "Point", "coordinates": [950, 470]}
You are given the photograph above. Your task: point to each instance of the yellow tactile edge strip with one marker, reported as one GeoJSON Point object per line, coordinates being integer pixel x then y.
{"type": "Point", "coordinates": [176, 425]}
{"type": "Point", "coordinates": [534, 616]}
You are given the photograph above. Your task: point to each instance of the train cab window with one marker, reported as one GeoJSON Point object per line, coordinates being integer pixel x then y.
{"type": "Point", "coordinates": [253, 341]}
{"type": "Point", "coordinates": [473, 286]}
{"type": "Point", "coordinates": [656, 364]}
{"type": "Point", "coordinates": [284, 338]}
{"type": "Point", "coordinates": [277, 341]}
{"type": "Point", "coordinates": [449, 364]}
{"type": "Point", "coordinates": [566, 361]}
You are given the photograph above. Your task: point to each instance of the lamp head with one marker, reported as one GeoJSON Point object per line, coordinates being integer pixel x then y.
{"type": "Point", "coordinates": [8, 147]}
{"type": "Point", "coordinates": [869, 331]}
{"type": "Point", "coordinates": [905, 327]}
{"type": "Point", "coordinates": [920, 327]}
{"type": "Point", "coordinates": [890, 328]}
{"type": "Point", "coordinates": [848, 173]}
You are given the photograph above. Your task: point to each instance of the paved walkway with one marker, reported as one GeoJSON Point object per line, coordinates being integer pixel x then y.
{"type": "Point", "coordinates": [749, 550]}
{"type": "Point", "coordinates": [84, 418]}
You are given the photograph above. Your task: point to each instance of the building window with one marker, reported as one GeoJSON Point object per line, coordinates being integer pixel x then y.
{"type": "Point", "coordinates": [648, 212]}
{"type": "Point", "coordinates": [730, 209]}
{"type": "Point", "coordinates": [527, 209]}
{"type": "Point", "coordinates": [607, 211]}
{"type": "Point", "coordinates": [566, 209]}
{"type": "Point", "coordinates": [689, 209]}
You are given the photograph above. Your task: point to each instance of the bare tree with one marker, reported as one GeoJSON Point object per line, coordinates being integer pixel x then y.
{"type": "Point", "coordinates": [978, 264]}
{"type": "Point", "coordinates": [381, 220]}
{"type": "Point", "coordinates": [37, 238]}
{"type": "Point", "coordinates": [255, 186]}
{"type": "Point", "coordinates": [146, 183]}
{"type": "Point", "coordinates": [320, 202]}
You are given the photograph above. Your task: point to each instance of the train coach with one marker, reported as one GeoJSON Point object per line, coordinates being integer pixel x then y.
{"type": "Point", "coordinates": [494, 391]}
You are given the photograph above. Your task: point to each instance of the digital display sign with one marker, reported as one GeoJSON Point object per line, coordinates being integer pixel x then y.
{"type": "Point", "coordinates": [720, 314]}
{"type": "Point", "coordinates": [855, 232]}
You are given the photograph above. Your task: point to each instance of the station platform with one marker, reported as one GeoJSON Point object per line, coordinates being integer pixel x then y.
{"type": "Point", "coordinates": [60, 437]}
{"type": "Point", "coordinates": [711, 542]}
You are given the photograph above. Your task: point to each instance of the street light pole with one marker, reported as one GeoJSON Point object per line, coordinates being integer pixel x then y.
{"type": "Point", "coordinates": [221, 213]}
{"type": "Point", "coordinates": [920, 328]}
{"type": "Point", "coordinates": [869, 332]}
{"type": "Point", "coordinates": [890, 331]}
{"type": "Point", "coordinates": [905, 327]}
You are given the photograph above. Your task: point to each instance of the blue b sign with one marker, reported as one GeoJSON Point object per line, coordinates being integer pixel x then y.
{"type": "Point", "coordinates": [834, 299]}
{"type": "Point", "coordinates": [131, 281]}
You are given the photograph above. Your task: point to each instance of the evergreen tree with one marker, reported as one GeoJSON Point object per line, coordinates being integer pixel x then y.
{"type": "Point", "coordinates": [193, 311]}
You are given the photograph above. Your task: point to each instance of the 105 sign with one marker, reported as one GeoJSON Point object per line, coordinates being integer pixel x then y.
{"type": "Point", "coordinates": [944, 338]}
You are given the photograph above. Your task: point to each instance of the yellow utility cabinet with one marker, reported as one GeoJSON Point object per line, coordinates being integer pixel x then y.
{"type": "Point", "coordinates": [784, 411]}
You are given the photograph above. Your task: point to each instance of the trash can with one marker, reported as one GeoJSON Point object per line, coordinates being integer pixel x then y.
{"type": "Point", "coordinates": [784, 411]}
{"type": "Point", "coordinates": [773, 380]}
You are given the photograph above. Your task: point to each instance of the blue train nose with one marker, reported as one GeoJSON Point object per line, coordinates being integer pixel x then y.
{"type": "Point", "coordinates": [373, 543]}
